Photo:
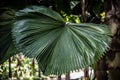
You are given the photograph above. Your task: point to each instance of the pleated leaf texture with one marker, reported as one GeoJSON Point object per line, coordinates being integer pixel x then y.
{"type": "Point", "coordinates": [58, 46]}
{"type": "Point", "coordinates": [7, 49]}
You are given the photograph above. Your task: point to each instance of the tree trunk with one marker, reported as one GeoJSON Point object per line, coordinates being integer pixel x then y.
{"type": "Point", "coordinates": [83, 10]}
{"type": "Point", "coordinates": [101, 69]}
{"type": "Point", "coordinates": [33, 67]}
{"type": "Point", "coordinates": [67, 76]}
{"type": "Point", "coordinates": [86, 73]}
{"type": "Point", "coordinates": [59, 78]}
{"type": "Point", "coordinates": [10, 70]}
{"type": "Point", "coordinates": [112, 10]}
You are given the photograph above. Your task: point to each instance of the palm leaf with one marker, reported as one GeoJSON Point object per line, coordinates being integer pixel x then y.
{"type": "Point", "coordinates": [7, 48]}
{"type": "Point", "coordinates": [58, 46]}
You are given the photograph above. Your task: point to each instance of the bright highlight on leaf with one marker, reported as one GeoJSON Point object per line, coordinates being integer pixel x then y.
{"type": "Point", "coordinates": [58, 46]}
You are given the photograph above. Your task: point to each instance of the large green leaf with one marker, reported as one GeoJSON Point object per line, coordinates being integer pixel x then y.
{"type": "Point", "coordinates": [7, 48]}
{"type": "Point", "coordinates": [58, 46]}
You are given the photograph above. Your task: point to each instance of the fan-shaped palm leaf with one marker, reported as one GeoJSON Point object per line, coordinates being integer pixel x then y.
{"type": "Point", "coordinates": [7, 48]}
{"type": "Point", "coordinates": [58, 46]}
